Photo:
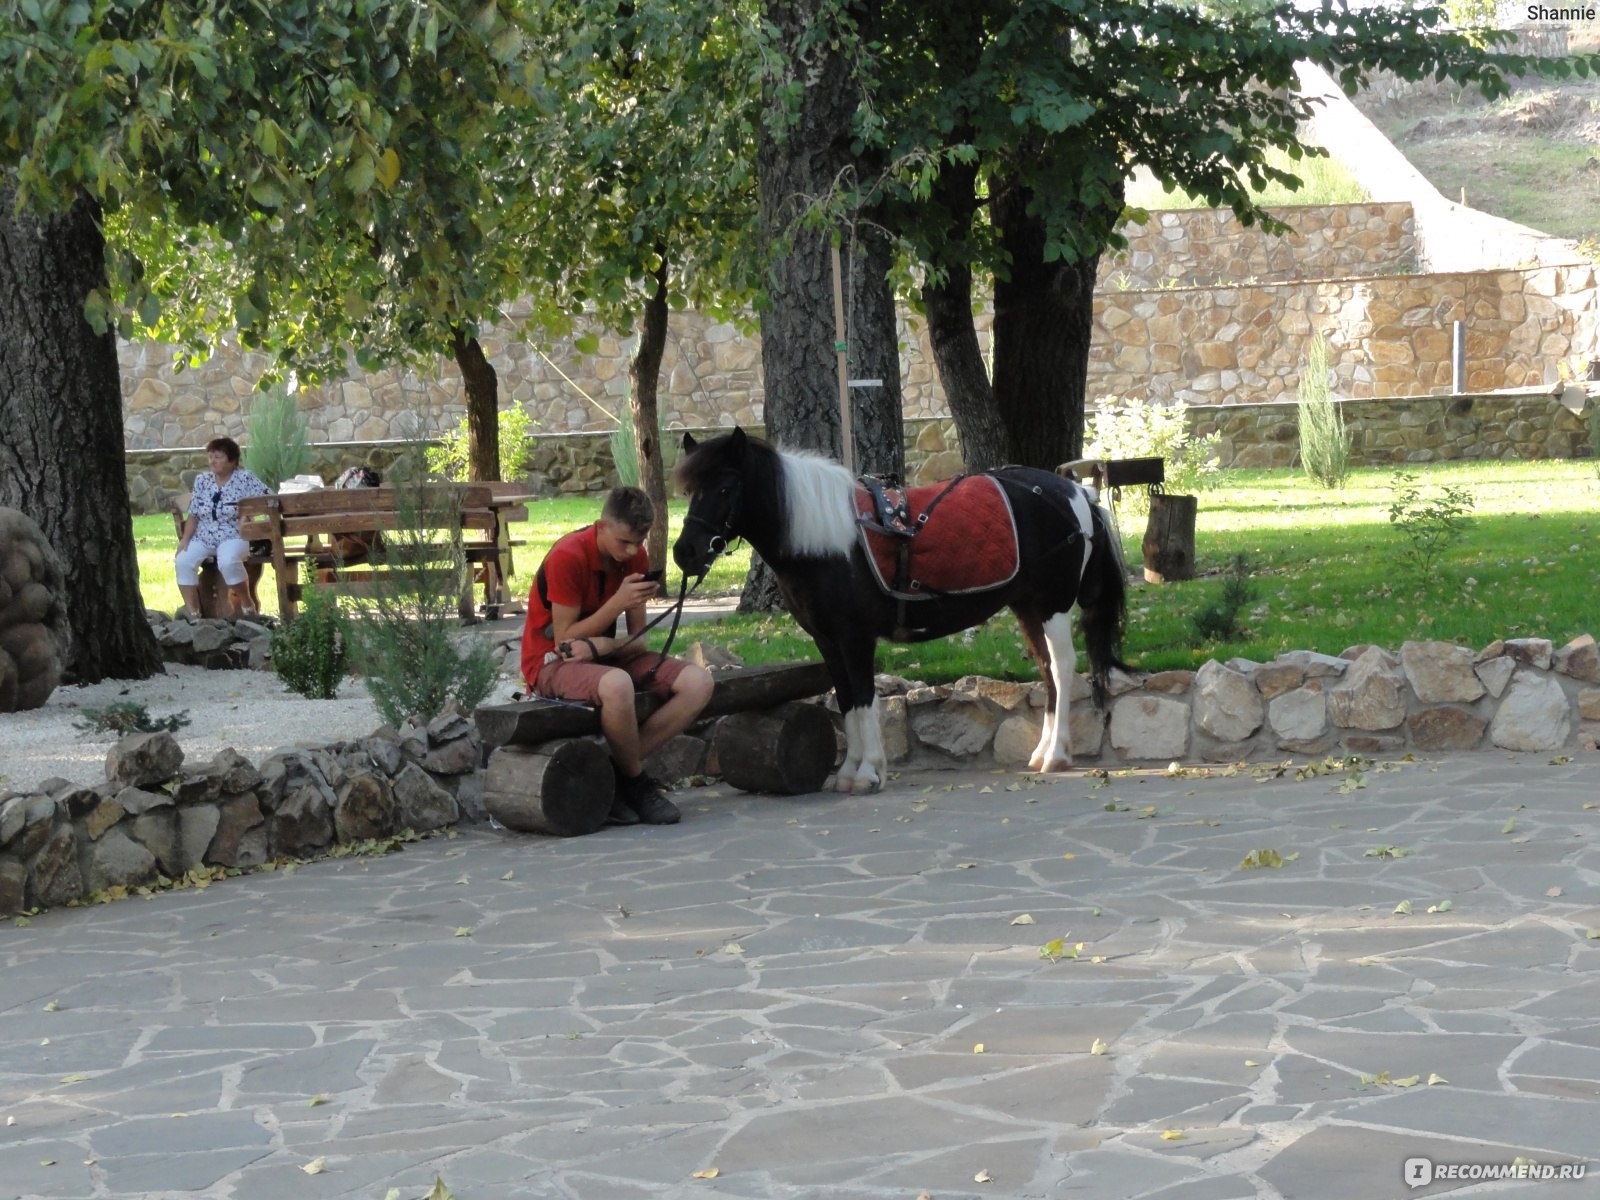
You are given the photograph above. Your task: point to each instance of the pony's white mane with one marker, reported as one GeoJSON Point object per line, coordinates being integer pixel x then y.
{"type": "Point", "coordinates": [819, 494]}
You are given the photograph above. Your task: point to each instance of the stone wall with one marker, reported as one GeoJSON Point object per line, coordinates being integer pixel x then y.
{"type": "Point", "coordinates": [1206, 246]}
{"type": "Point", "coordinates": [1507, 425]}
{"type": "Point", "coordinates": [1521, 694]}
{"type": "Point", "coordinates": [1386, 335]}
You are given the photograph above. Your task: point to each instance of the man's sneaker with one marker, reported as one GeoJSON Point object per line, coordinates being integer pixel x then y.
{"type": "Point", "coordinates": [621, 813]}
{"type": "Point", "coordinates": [643, 795]}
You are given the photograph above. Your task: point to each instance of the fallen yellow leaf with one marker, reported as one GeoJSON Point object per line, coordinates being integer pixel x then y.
{"type": "Point", "coordinates": [1434, 1077]}
{"type": "Point", "coordinates": [1024, 919]}
{"type": "Point", "coordinates": [1408, 1081]}
{"type": "Point", "coordinates": [463, 931]}
{"type": "Point", "coordinates": [1099, 1047]}
{"type": "Point", "coordinates": [1172, 1135]}
{"type": "Point", "coordinates": [978, 1048]}
{"type": "Point", "coordinates": [983, 1177]}
{"type": "Point", "coordinates": [315, 1167]}
{"type": "Point", "coordinates": [319, 1098]}
{"type": "Point", "coordinates": [708, 1173]}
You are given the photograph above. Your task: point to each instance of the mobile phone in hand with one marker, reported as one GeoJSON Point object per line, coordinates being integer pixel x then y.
{"type": "Point", "coordinates": [655, 576]}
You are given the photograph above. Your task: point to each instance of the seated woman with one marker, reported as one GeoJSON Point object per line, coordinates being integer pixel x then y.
{"type": "Point", "coordinates": [212, 528]}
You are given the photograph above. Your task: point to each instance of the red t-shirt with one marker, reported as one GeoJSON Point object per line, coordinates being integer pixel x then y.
{"type": "Point", "coordinates": [575, 574]}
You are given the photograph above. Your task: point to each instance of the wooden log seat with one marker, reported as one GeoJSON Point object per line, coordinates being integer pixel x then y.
{"type": "Point", "coordinates": [542, 776]}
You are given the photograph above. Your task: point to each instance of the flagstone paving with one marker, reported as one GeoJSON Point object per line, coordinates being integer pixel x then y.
{"type": "Point", "coordinates": [847, 998]}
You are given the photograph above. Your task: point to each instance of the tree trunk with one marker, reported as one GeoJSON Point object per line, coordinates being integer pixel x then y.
{"type": "Point", "coordinates": [956, 353]}
{"type": "Point", "coordinates": [644, 375]}
{"type": "Point", "coordinates": [1169, 538]}
{"type": "Point", "coordinates": [1043, 321]}
{"type": "Point", "coordinates": [798, 359]}
{"type": "Point", "coordinates": [559, 788]}
{"type": "Point", "coordinates": [951, 332]}
{"type": "Point", "coordinates": [483, 407]}
{"type": "Point", "coordinates": [788, 751]}
{"type": "Point", "coordinates": [62, 458]}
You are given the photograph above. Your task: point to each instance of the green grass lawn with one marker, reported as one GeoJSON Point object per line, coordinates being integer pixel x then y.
{"type": "Point", "coordinates": [1328, 568]}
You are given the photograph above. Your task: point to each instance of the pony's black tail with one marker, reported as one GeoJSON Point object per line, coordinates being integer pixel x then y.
{"type": "Point", "coordinates": [1103, 604]}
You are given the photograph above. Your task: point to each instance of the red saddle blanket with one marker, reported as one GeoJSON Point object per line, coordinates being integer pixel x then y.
{"type": "Point", "coordinates": [963, 541]}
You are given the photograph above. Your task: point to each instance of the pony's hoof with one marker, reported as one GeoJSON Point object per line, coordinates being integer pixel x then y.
{"type": "Point", "coordinates": [844, 784]}
{"type": "Point", "coordinates": [1053, 766]}
{"type": "Point", "coordinates": [867, 784]}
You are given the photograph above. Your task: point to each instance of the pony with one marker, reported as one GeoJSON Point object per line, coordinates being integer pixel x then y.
{"type": "Point", "coordinates": [801, 513]}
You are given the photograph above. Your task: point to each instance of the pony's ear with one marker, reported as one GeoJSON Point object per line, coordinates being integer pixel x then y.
{"type": "Point", "coordinates": [688, 441]}
{"type": "Point", "coordinates": [737, 439]}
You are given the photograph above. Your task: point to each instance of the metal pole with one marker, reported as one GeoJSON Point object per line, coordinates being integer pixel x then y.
{"type": "Point", "coordinates": [1458, 359]}
{"type": "Point", "coordinates": [841, 346]}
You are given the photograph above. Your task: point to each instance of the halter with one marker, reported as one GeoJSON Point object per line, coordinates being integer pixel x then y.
{"type": "Point", "coordinates": [720, 538]}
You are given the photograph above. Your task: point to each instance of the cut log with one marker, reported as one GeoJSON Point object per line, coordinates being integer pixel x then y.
{"type": "Point", "coordinates": [562, 788]}
{"type": "Point", "coordinates": [1169, 538]}
{"type": "Point", "coordinates": [528, 722]}
{"type": "Point", "coordinates": [788, 750]}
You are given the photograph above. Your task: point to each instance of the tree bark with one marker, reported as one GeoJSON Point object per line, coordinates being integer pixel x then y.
{"type": "Point", "coordinates": [951, 332]}
{"type": "Point", "coordinates": [798, 359]}
{"type": "Point", "coordinates": [1169, 538]}
{"type": "Point", "coordinates": [644, 375]}
{"type": "Point", "coordinates": [483, 406]}
{"type": "Point", "coordinates": [62, 457]}
{"type": "Point", "coordinates": [1043, 321]}
{"type": "Point", "coordinates": [563, 789]}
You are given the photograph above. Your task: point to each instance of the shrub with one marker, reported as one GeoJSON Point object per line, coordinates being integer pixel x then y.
{"type": "Point", "coordinates": [625, 453]}
{"type": "Point", "coordinates": [403, 643]}
{"type": "Point", "coordinates": [311, 652]}
{"type": "Point", "coordinates": [1135, 428]}
{"type": "Point", "coordinates": [1219, 621]}
{"type": "Point", "coordinates": [1431, 526]}
{"type": "Point", "coordinates": [278, 448]}
{"type": "Point", "coordinates": [1324, 441]}
{"type": "Point", "coordinates": [129, 716]}
{"type": "Point", "coordinates": [451, 457]}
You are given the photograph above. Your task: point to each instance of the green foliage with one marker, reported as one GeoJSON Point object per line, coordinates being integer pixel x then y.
{"type": "Point", "coordinates": [1219, 620]}
{"type": "Point", "coordinates": [1320, 181]}
{"type": "Point", "coordinates": [278, 447]}
{"type": "Point", "coordinates": [1432, 524]}
{"type": "Point", "coordinates": [625, 453]}
{"type": "Point", "coordinates": [1135, 428]}
{"type": "Point", "coordinates": [128, 716]}
{"type": "Point", "coordinates": [403, 630]}
{"type": "Point", "coordinates": [310, 653]}
{"type": "Point", "coordinates": [449, 459]}
{"type": "Point", "coordinates": [1324, 441]}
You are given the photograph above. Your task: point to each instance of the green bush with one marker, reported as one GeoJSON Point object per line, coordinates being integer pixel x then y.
{"type": "Point", "coordinates": [451, 457]}
{"type": "Point", "coordinates": [129, 716]}
{"type": "Point", "coordinates": [625, 452]}
{"type": "Point", "coordinates": [311, 652]}
{"type": "Point", "coordinates": [403, 628]}
{"type": "Point", "coordinates": [278, 447]}
{"type": "Point", "coordinates": [1219, 621]}
{"type": "Point", "coordinates": [1324, 441]}
{"type": "Point", "coordinates": [1432, 525]}
{"type": "Point", "coordinates": [1134, 428]}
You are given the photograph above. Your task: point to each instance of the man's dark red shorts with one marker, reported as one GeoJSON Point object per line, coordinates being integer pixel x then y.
{"type": "Point", "coordinates": [580, 681]}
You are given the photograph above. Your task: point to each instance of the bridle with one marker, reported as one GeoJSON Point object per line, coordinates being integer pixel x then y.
{"type": "Point", "coordinates": [717, 545]}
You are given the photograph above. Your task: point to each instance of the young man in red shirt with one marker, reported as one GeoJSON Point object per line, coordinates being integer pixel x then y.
{"type": "Point", "coordinates": [571, 650]}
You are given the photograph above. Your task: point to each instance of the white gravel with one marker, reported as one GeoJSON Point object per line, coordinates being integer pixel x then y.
{"type": "Point", "coordinates": [250, 711]}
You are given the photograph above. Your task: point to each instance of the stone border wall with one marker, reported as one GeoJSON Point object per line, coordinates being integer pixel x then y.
{"type": "Point", "coordinates": [155, 819]}
{"type": "Point", "coordinates": [1498, 425]}
{"type": "Point", "coordinates": [1519, 694]}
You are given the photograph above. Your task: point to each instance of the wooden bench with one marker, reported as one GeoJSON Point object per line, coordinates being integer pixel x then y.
{"type": "Point", "coordinates": [303, 527]}
{"type": "Point", "coordinates": [548, 774]}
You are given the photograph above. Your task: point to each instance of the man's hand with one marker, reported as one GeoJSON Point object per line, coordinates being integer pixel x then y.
{"type": "Point", "coordinates": [635, 590]}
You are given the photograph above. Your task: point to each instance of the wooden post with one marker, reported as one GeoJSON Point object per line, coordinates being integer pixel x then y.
{"type": "Point", "coordinates": [561, 788]}
{"type": "Point", "coordinates": [841, 347]}
{"type": "Point", "coordinates": [1169, 538]}
{"type": "Point", "coordinates": [788, 750]}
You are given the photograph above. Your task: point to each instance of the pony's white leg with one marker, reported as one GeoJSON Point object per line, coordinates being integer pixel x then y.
{"type": "Point", "coordinates": [873, 768]}
{"type": "Point", "coordinates": [845, 781]}
{"type": "Point", "coordinates": [1047, 741]}
{"type": "Point", "coordinates": [1063, 665]}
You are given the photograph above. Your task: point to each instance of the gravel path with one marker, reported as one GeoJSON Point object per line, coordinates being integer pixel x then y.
{"type": "Point", "coordinates": [247, 710]}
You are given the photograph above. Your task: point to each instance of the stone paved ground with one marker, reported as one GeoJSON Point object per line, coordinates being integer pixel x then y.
{"type": "Point", "coordinates": [792, 991]}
